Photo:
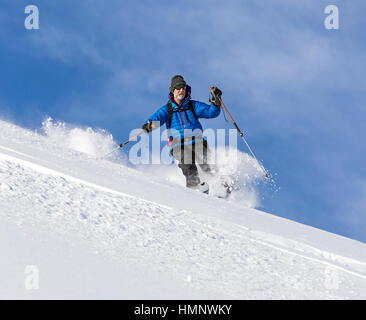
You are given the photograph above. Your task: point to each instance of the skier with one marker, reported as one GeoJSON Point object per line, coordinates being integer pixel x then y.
{"type": "Point", "coordinates": [187, 144]}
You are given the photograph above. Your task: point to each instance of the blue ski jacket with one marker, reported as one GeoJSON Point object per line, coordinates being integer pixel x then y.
{"type": "Point", "coordinates": [183, 120]}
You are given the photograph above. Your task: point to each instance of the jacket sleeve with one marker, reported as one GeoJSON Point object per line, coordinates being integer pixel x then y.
{"type": "Point", "coordinates": [161, 115]}
{"type": "Point", "coordinates": [204, 110]}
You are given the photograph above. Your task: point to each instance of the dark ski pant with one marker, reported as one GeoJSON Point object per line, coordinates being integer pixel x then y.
{"type": "Point", "coordinates": [187, 157]}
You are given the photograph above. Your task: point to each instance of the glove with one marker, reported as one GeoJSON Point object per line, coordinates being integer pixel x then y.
{"type": "Point", "coordinates": [215, 96]}
{"type": "Point", "coordinates": [147, 126]}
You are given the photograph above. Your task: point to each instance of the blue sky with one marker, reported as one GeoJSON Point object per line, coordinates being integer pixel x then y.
{"type": "Point", "coordinates": [296, 89]}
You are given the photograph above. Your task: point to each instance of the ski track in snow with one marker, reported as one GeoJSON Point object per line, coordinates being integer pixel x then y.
{"type": "Point", "coordinates": [206, 252]}
{"type": "Point", "coordinates": [144, 232]}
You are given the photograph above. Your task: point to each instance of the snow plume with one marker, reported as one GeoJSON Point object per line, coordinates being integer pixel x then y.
{"type": "Point", "coordinates": [240, 171]}
{"type": "Point", "coordinates": [85, 140]}
{"type": "Point", "coordinates": [234, 167]}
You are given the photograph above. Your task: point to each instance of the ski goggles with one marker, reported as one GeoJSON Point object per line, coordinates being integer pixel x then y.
{"type": "Point", "coordinates": [180, 86]}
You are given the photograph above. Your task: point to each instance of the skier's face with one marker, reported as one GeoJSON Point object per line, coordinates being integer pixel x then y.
{"type": "Point", "coordinates": [179, 94]}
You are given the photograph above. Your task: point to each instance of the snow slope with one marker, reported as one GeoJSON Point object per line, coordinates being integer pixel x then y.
{"type": "Point", "coordinates": [100, 229]}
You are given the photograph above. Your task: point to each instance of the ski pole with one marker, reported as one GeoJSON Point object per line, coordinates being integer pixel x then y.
{"type": "Point", "coordinates": [124, 143]}
{"type": "Point", "coordinates": [266, 174]}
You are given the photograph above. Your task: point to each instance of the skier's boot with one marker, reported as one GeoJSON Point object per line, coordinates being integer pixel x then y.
{"type": "Point", "coordinates": [225, 190]}
{"type": "Point", "coordinates": [228, 189]}
{"type": "Point", "coordinates": [202, 187]}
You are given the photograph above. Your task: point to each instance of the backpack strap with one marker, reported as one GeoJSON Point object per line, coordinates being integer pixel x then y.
{"type": "Point", "coordinates": [171, 111]}
{"type": "Point", "coordinates": [190, 107]}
